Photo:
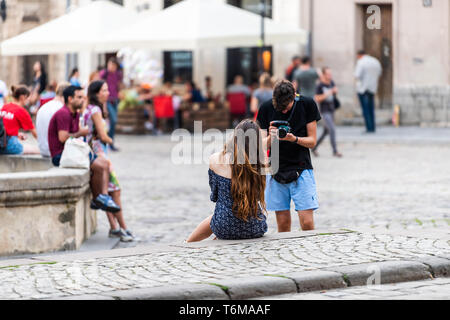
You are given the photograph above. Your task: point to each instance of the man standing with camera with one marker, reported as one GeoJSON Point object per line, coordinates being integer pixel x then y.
{"type": "Point", "coordinates": [292, 120]}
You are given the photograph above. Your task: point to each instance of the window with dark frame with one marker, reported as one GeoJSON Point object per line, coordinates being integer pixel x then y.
{"type": "Point", "coordinates": [246, 61]}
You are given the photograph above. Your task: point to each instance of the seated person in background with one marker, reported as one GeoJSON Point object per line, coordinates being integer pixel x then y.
{"type": "Point", "coordinates": [146, 97]}
{"type": "Point", "coordinates": [237, 186]}
{"type": "Point", "coordinates": [3, 93]}
{"type": "Point", "coordinates": [263, 93]}
{"type": "Point", "coordinates": [48, 95]}
{"type": "Point", "coordinates": [65, 125]}
{"type": "Point", "coordinates": [209, 95]}
{"type": "Point", "coordinates": [192, 94]}
{"type": "Point", "coordinates": [45, 114]}
{"type": "Point", "coordinates": [16, 117]}
{"type": "Point", "coordinates": [238, 86]}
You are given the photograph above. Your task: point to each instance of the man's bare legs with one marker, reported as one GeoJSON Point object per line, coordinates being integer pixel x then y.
{"type": "Point", "coordinates": [202, 232]}
{"type": "Point", "coordinates": [306, 220]}
{"type": "Point", "coordinates": [284, 220]}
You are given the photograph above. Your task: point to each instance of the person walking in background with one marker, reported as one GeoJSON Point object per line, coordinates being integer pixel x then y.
{"type": "Point", "coordinates": [326, 97]}
{"type": "Point", "coordinates": [113, 77]}
{"type": "Point", "coordinates": [3, 93]}
{"type": "Point", "coordinates": [296, 61]}
{"type": "Point", "coordinates": [237, 188]}
{"type": "Point", "coordinates": [45, 114]}
{"type": "Point", "coordinates": [15, 118]}
{"type": "Point", "coordinates": [262, 94]}
{"type": "Point", "coordinates": [367, 73]}
{"type": "Point", "coordinates": [39, 84]}
{"type": "Point", "coordinates": [305, 78]}
{"type": "Point", "coordinates": [74, 78]}
{"type": "Point", "coordinates": [97, 138]}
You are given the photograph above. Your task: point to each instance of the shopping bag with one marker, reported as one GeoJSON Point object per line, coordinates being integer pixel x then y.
{"type": "Point", "coordinates": [75, 154]}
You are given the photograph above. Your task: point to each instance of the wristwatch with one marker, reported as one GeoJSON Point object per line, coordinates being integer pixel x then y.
{"type": "Point", "coordinates": [296, 140]}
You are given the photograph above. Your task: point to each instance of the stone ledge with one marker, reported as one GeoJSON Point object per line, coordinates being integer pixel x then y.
{"type": "Point", "coordinates": [439, 267]}
{"type": "Point", "coordinates": [388, 271]}
{"type": "Point", "coordinates": [44, 180]}
{"type": "Point", "coordinates": [258, 286]}
{"type": "Point", "coordinates": [181, 292]}
{"type": "Point", "coordinates": [317, 280]}
{"type": "Point", "coordinates": [273, 285]}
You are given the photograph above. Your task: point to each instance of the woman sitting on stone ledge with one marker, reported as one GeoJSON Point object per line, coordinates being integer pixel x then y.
{"type": "Point", "coordinates": [94, 117]}
{"type": "Point", "coordinates": [16, 117]}
{"type": "Point", "coordinates": [237, 186]}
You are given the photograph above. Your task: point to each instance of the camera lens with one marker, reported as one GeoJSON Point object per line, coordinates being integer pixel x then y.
{"type": "Point", "coordinates": [282, 133]}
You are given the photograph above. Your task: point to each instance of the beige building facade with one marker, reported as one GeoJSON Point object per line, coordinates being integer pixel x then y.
{"type": "Point", "coordinates": [413, 45]}
{"type": "Point", "coordinates": [411, 38]}
{"type": "Point", "coordinates": [23, 15]}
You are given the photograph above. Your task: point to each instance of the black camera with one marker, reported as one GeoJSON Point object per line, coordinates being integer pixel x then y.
{"type": "Point", "coordinates": [284, 128]}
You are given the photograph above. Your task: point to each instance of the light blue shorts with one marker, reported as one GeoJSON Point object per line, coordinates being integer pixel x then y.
{"type": "Point", "coordinates": [303, 192]}
{"type": "Point", "coordinates": [14, 147]}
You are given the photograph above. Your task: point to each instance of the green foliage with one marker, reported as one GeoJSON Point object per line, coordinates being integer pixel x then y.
{"type": "Point", "coordinates": [131, 100]}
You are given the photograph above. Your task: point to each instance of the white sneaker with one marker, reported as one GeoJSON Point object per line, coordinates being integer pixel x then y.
{"type": "Point", "coordinates": [124, 237]}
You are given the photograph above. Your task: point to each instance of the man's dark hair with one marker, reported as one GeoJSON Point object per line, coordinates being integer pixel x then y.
{"type": "Point", "coordinates": [361, 52]}
{"type": "Point", "coordinates": [306, 60]}
{"type": "Point", "coordinates": [294, 58]}
{"type": "Point", "coordinates": [70, 93]}
{"type": "Point", "coordinates": [283, 95]}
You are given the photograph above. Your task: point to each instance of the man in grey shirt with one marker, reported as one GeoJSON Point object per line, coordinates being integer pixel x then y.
{"type": "Point", "coordinates": [238, 86]}
{"type": "Point", "coordinates": [367, 73]}
{"type": "Point", "coordinates": [305, 78]}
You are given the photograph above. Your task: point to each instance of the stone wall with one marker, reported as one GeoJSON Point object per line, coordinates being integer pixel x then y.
{"type": "Point", "coordinates": [44, 211]}
{"type": "Point", "coordinates": [423, 105]}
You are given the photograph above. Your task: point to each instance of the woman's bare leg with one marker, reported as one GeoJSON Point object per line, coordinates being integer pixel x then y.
{"type": "Point", "coordinates": [202, 232]}
{"type": "Point", "coordinates": [111, 220]}
{"type": "Point", "coordinates": [119, 215]}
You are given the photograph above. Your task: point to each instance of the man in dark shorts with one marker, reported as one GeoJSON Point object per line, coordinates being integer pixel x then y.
{"type": "Point", "coordinates": [295, 178]}
{"type": "Point", "coordinates": [64, 125]}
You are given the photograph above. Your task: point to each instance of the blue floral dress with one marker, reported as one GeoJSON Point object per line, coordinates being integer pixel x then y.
{"type": "Point", "coordinates": [224, 224]}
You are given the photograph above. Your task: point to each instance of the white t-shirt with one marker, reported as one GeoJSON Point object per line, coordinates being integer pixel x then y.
{"type": "Point", "coordinates": [3, 93]}
{"type": "Point", "coordinates": [368, 72]}
{"type": "Point", "coordinates": [44, 115]}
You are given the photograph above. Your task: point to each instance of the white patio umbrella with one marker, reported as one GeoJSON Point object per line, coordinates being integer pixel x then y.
{"type": "Point", "coordinates": [78, 31]}
{"type": "Point", "coordinates": [193, 24]}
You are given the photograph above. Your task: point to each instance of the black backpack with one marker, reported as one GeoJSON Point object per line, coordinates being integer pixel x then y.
{"type": "Point", "coordinates": [3, 137]}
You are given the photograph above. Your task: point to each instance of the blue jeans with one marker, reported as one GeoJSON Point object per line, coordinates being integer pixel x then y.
{"type": "Point", "coordinates": [367, 100]}
{"type": "Point", "coordinates": [13, 147]}
{"type": "Point", "coordinates": [113, 113]}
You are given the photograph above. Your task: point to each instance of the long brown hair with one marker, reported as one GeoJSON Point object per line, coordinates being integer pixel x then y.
{"type": "Point", "coordinates": [247, 182]}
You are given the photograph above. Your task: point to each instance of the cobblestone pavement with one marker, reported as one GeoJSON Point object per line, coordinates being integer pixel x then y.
{"type": "Point", "coordinates": [396, 179]}
{"type": "Point", "coordinates": [209, 262]}
{"type": "Point", "coordinates": [437, 289]}
{"type": "Point", "coordinates": [397, 191]}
